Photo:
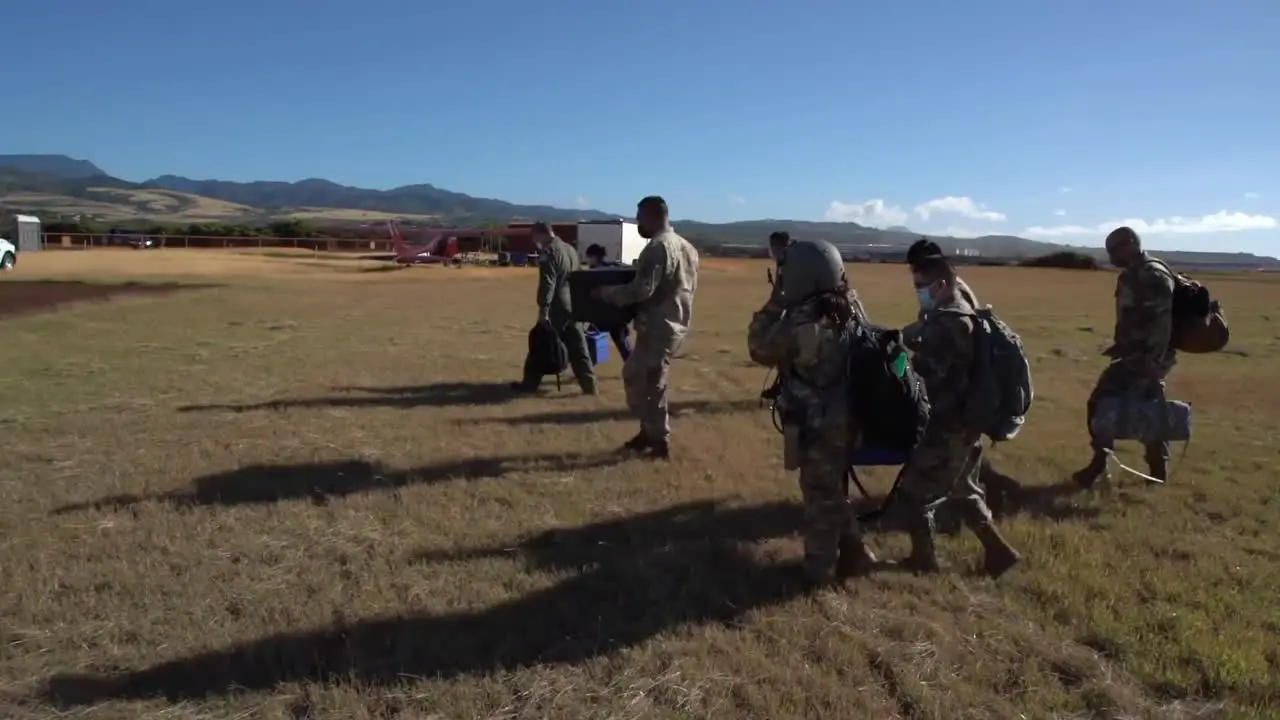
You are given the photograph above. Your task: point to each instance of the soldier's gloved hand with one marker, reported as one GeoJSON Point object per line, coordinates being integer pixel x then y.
{"type": "Point", "coordinates": [544, 320]}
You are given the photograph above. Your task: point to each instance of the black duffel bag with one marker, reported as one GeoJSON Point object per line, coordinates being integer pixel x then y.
{"type": "Point", "coordinates": [588, 309]}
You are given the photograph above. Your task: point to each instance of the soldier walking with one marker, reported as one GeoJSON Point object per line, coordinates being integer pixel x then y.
{"type": "Point", "coordinates": [810, 346]}
{"type": "Point", "coordinates": [1141, 356]}
{"type": "Point", "coordinates": [556, 259]}
{"type": "Point", "coordinates": [944, 465]}
{"type": "Point", "coordinates": [1002, 491]}
{"type": "Point", "coordinates": [662, 291]}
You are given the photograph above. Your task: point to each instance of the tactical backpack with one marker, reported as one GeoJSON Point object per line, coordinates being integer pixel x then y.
{"type": "Point", "coordinates": [547, 353]}
{"type": "Point", "coordinates": [886, 396]}
{"type": "Point", "coordinates": [1199, 325]}
{"type": "Point", "coordinates": [1000, 389]}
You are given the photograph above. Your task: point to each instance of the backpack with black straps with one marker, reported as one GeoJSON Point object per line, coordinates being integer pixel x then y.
{"type": "Point", "coordinates": [1000, 390]}
{"type": "Point", "coordinates": [547, 353]}
{"type": "Point", "coordinates": [1199, 325]}
{"type": "Point", "coordinates": [886, 395]}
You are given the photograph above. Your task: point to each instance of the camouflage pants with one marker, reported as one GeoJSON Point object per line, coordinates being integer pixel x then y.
{"type": "Point", "coordinates": [944, 468]}
{"type": "Point", "coordinates": [644, 378]}
{"type": "Point", "coordinates": [1120, 378]}
{"type": "Point", "coordinates": [828, 516]}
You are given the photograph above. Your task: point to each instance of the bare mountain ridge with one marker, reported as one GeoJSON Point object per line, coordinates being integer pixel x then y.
{"type": "Point", "coordinates": [27, 181]}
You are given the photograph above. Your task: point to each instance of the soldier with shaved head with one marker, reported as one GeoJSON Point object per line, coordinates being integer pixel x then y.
{"type": "Point", "coordinates": [662, 293]}
{"type": "Point", "coordinates": [1140, 352]}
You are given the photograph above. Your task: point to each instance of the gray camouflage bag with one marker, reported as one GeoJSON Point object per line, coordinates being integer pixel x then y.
{"type": "Point", "coordinates": [1150, 421]}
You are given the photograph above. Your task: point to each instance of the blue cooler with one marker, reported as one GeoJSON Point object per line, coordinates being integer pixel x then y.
{"type": "Point", "coordinates": [598, 346]}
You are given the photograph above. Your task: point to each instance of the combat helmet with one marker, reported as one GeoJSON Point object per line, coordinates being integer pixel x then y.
{"type": "Point", "coordinates": [812, 267]}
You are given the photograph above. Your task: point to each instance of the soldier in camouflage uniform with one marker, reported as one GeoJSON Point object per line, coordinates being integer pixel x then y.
{"type": "Point", "coordinates": [663, 288]}
{"type": "Point", "coordinates": [556, 259]}
{"type": "Point", "coordinates": [808, 338]}
{"type": "Point", "coordinates": [944, 466]}
{"type": "Point", "coordinates": [1141, 357]}
{"type": "Point", "coordinates": [1002, 491]}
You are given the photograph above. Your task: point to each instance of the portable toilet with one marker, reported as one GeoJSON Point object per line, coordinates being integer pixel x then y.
{"type": "Point", "coordinates": [28, 235]}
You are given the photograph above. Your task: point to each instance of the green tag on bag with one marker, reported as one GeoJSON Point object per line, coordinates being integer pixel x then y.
{"type": "Point", "coordinates": [900, 364]}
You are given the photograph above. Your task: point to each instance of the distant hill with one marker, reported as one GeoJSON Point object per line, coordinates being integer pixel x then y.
{"type": "Point", "coordinates": [58, 166]}
{"type": "Point", "coordinates": [406, 200]}
{"type": "Point", "coordinates": [60, 187]}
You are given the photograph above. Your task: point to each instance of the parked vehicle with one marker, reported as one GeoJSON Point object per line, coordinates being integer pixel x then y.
{"type": "Point", "coordinates": [8, 255]}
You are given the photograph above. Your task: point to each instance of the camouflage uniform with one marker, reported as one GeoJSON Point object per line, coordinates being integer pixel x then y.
{"type": "Point", "coordinates": [1140, 353]}
{"type": "Point", "coordinates": [812, 355]}
{"type": "Point", "coordinates": [1001, 490]}
{"type": "Point", "coordinates": [944, 467]}
{"type": "Point", "coordinates": [663, 289]}
{"type": "Point", "coordinates": [555, 262]}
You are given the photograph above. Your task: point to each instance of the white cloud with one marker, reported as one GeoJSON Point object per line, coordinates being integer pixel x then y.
{"type": "Point", "coordinates": [963, 206]}
{"type": "Point", "coordinates": [874, 213]}
{"type": "Point", "coordinates": [1219, 222]}
{"type": "Point", "coordinates": [1060, 213]}
{"type": "Point", "coordinates": [1251, 196]}
{"type": "Point", "coordinates": [1064, 190]}
{"type": "Point", "coordinates": [737, 200]}
{"type": "Point", "coordinates": [582, 202]}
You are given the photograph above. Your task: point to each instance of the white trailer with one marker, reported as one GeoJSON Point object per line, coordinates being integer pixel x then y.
{"type": "Point", "coordinates": [28, 233]}
{"type": "Point", "coordinates": [620, 239]}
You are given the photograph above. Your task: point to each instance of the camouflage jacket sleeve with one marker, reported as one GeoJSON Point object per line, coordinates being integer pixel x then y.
{"type": "Point", "coordinates": [943, 359]}
{"type": "Point", "coordinates": [651, 267]}
{"type": "Point", "coordinates": [547, 262]}
{"type": "Point", "coordinates": [768, 340]}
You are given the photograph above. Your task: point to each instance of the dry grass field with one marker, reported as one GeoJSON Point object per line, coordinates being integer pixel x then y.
{"type": "Point", "coordinates": [300, 491]}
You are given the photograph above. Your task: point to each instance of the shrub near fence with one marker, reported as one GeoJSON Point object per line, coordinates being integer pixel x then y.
{"type": "Point", "coordinates": [83, 241]}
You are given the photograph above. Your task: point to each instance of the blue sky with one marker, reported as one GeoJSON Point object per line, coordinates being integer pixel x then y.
{"type": "Point", "coordinates": [1045, 118]}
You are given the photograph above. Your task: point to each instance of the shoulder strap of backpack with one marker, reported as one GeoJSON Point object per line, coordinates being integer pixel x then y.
{"type": "Point", "coordinates": [1178, 278]}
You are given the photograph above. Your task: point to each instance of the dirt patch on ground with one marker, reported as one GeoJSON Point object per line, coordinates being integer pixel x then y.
{"type": "Point", "coordinates": [37, 296]}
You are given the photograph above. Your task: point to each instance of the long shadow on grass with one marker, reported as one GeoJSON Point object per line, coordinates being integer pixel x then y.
{"type": "Point", "coordinates": [322, 482]}
{"type": "Point", "coordinates": [632, 579]}
{"type": "Point", "coordinates": [586, 417]}
{"type": "Point", "coordinates": [403, 397]}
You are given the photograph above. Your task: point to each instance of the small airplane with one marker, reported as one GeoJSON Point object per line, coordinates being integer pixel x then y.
{"type": "Point", "coordinates": [436, 251]}
{"type": "Point", "coordinates": [443, 246]}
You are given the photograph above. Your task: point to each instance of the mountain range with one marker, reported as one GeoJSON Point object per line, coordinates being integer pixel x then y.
{"type": "Point", "coordinates": [61, 187]}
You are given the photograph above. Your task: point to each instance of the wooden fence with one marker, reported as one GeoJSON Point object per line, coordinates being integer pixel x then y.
{"type": "Point", "coordinates": [80, 241]}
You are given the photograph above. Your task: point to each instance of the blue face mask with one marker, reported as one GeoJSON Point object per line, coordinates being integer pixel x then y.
{"type": "Point", "coordinates": [926, 300]}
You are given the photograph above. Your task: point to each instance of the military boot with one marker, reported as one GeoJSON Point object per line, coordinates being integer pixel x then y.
{"type": "Point", "coordinates": [814, 576]}
{"type": "Point", "coordinates": [639, 443]}
{"type": "Point", "coordinates": [1000, 555]}
{"type": "Point", "coordinates": [588, 385]}
{"type": "Point", "coordinates": [924, 554]}
{"type": "Point", "coordinates": [1158, 466]}
{"type": "Point", "coordinates": [1090, 474]}
{"type": "Point", "coordinates": [855, 557]}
